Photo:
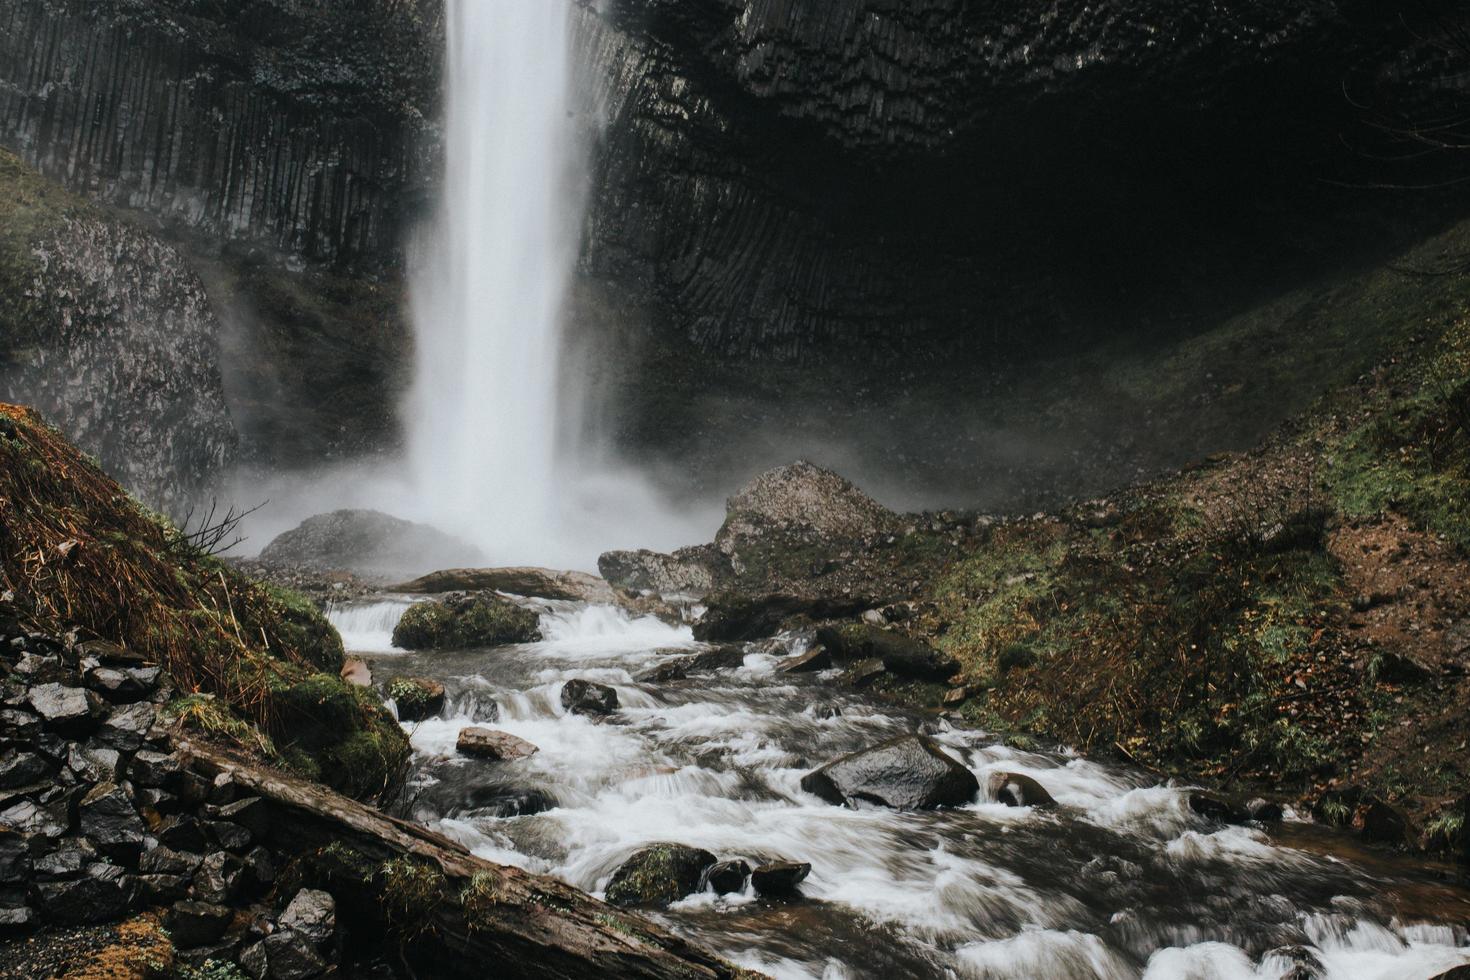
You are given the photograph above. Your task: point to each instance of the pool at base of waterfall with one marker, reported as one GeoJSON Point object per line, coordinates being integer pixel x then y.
{"type": "Point", "coordinates": [1120, 880]}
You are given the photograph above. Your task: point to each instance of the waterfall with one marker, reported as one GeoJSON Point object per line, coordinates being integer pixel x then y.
{"type": "Point", "coordinates": [485, 412]}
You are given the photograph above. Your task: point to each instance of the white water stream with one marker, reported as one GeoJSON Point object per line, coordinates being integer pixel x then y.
{"type": "Point", "coordinates": [1122, 881]}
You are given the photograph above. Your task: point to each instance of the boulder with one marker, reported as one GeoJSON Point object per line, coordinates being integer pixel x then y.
{"type": "Point", "coordinates": [1016, 789]}
{"type": "Point", "coordinates": [126, 729]}
{"type": "Point", "coordinates": [68, 710]}
{"type": "Point", "coordinates": [1378, 820]}
{"type": "Point", "coordinates": [734, 616]}
{"type": "Point", "coordinates": [197, 923]}
{"type": "Point", "coordinates": [292, 956]}
{"type": "Point", "coordinates": [1212, 806]}
{"type": "Point", "coordinates": [689, 571]}
{"type": "Point", "coordinates": [15, 857]}
{"type": "Point", "coordinates": [899, 654]}
{"type": "Point", "coordinates": [1265, 811]}
{"type": "Point", "coordinates": [721, 658]}
{"type": "Point", "coordinates": [779, 879]}
{"type": "Point", "coordinates": [30, 817]}
{"type": "Point", "coordinates": [910, 772]}
{"type": "Point", "coordinates": [534, 583]}
{"type": "Point", "coordinates": [864, 673]}
{"type": "Point", "coordinates": [658, 875]}
{"type": "Point", "coordinates": [154, 769]}
{"type": "Point", "coordinates": [725, 877]}
{"type": "Point", "coordinates": [416, 698]}
{"type": "Point", "coordinates": [367, 542]}
{"type": "Point", "coordinates": [485, 743]}
{"type": "Point", "coordinates": [163, 860]}
{"type": "Point", "coordinates": [312, 913]}
{"type": "Point", "coordinates": [801, 500]}
{"type": "Point", "coordinates": [182, 833]}
{"type": "Point", "coordinates": [218, 878]}
{"type": "Point", "coordinates": [110, 821]}
{"type": "Point", "coordinates": [117, 686]}
{"type": "Point", "coordinates": [22, 768]}
{"type": "Point", "coordinates": [460, 622]}
{"type": "Point", "coordinates": [588, 698]}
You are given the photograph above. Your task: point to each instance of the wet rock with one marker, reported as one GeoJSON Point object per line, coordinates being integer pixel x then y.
{"type": "Point", "coordinates": [292, 956]}
{"type": "Point", "coordinates": [486, 743]}
{"type": "Point", "coordinates": [1016, 789]}
{"type": "Point", "coordinates": [1378, 820]}
{"type": "Point", "coordinates": [167, 861]}
{"type": "Point", "coordinates": [367, 542]}
{"type": "Point", "coordinates": [162, 889]}
{"type": "Point", "coordinates": [416, 698]}
{"type": "Point", "coordinates": [461, 622]}
{"type": "Point", "coordinates": [864, 673]}
{"type": "Point", "coordinates": [68, 710]}
{"type": "Point", "coordinates": [252, 813]}
{"type": "Point", "coordinates": [677, 669]}
{"type": "Point", "coordinates": [154, 769]}
{"type": "Point", "coordinates": [313, 914]}
{"type": "Point", "coordinates": [825, 710]}
{"type": "Point", "coordinates": [182, 833]}
{"type": "Point", "coordinates": [815, 659]}
{"type": "Point", "coordinates": [19, 725]}
{"type": "Point", "coordinates": [22, 769]}
{"type": "Point", "coordinates": [899, 654]}
{"type": "Point", "coordinates": [1265, 811]}
{"type": "Point", "coordinates": [15, 856]}
{"type": "Point", "coordinates": [1293, 963]}
{"type": "Point", "coordinates": [725, 877]}
{"type": "Point", "coordinates": [127, 728]}
{"type": "Point", "coordinates": [108, 818]}
{"type": "Point", "coordinates": [1212, 806]}
{"type": "Point", "coordinates": [739, 616]}
{"type": "Point", "coordinates": [218, 878]}
{"type": "Point", "coordinates": [197, 923]}
{"type": "Point", "coordinates": [230, 836]}
{"type": "Point", "coordinates": [588, 698]}
{"type": "Point", "coordinates": [779, 879]}
{"type": "Point", "coordinates": [30, 817]}
{"type": "Point", "coordinates": [658, 875]}
{"type": "Point", "coordinates": [910, 772]}
{"type": "Point", "coordinates": [70, 859]}
{"type": "Point", "coordinates": [356, 672]}
{"type": "Point", "coordinates": [689, 571]}
{"type": "Point", "coordinates": [95, 897]}
{"type": "Point", "coordinates": [522, 803]}
{"type": "Point", "coordinates": [117, 686]}
{"type": "Point", "coordinates": [534, 583]}
{"type": "Point", "coordinates": [1454, 973]}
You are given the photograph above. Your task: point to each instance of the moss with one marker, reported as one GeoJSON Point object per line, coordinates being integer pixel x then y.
{"type": "Point", "coordinates": [481, 897]}
{"type": "Point", "coordinates": [305, 628]}
{"type": "Point", "coordinates": [339, 733]}
{"type": "Point", "coordinates": [480, 620]}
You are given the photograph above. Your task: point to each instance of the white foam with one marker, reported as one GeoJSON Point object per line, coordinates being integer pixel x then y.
{"type": "Point", "coordinates": [367, 627]}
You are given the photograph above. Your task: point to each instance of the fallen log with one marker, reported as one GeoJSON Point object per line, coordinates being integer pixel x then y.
{"type": "Point", "coordinates": [450, 913]}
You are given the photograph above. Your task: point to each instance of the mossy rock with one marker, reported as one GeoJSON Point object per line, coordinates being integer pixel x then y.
{"type": "Point", "coordinates": [417, 698]}
{"type": "Point", "coordinates": [658, 875]}
{"type": "Point", "coordinates": [302, 625]}
{"type": "Point", "coordinates": [465, 621]}
{"type": "Point", "coordinates": [339, 734]}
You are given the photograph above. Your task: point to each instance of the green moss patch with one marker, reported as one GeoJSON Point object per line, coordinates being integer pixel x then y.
{"type": "Point", "coordinates": [461, 622]}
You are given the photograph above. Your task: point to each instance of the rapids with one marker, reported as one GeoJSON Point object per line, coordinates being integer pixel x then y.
{"type": "Point", "coordinates": [1121, 881]}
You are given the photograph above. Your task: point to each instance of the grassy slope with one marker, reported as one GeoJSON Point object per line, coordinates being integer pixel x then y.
{"type": "Point", "coordinates": [1223, 622]}
{"type": "Point", "coordinates": [254, 664]}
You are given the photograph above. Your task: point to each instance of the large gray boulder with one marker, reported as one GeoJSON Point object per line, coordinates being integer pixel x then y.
{"type": "Point", "coordinates": [658, 875]}
{"type": "Point", "coordinates": [368, 542]}
{"type": "Point", "coordinates": [910, 772]}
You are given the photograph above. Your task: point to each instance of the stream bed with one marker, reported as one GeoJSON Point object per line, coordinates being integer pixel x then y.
{"type": "Point", "coordinates": [1121, 880]}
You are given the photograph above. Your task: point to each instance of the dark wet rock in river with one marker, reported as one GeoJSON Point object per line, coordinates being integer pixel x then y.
{"type": "Point", "coordinates": [864, 673]}
{"type": "Point", "coordinates": [910, 772]}
{"type": "Point", "coordinates": [1381, 821]}
{"type": "Point", "coordinates": [535, 583]}
{"type": "Point", "coordinates": [486, 743]}
{"type": "Point", "coordinates": [815, 659]}
{"type": "Point", "coordinates": [1213, 806]}
{"type": "Point", "coordinates": [1294, 963]}
{"type": "Point", "coordinates": [658, 875]}
{"type": "Point", "coordinates": [779, 879]}
{"type": "Point", "coordinates": [416, 698]}
{"type": "Point", "coordinates": [1265, 811]}
{"type": "Point", "coordinates": [899, 654]}
{"type": "Point", "coordinates": [1016, 789]}
{"type": "Point", "coordinates": [368, 542]}
{"type": "Point", "coordinates": [481, 619]}
{"type": "Point", "coordinates": [731, 616]}
{"type": "Point", "coordinates": [726, 877]}
{"type": "Point", "coordinates": [588, 698]}
{"type": "Point", "coordinates": [678, 668]}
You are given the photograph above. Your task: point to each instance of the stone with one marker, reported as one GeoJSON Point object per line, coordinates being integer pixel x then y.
{"type": "Point", "coordinates": [19, 725]}
{"type": "Point", "coordinates": [108, 818]}
{"type": "Point", "coordinates": [815, 659]}
{"type": "Point", "coordinates": [910, 772]}
{"type": "Point", "coordinates": [30, 817]}
{"type": "Point", "coordinates": [955, 697]}
{"type": "Point", "coordinates": [252, 813]}
{"type": "Point", "coordinates": [1454, 973]}
{"type": "Point", "coordinates": [1016, 789]}
{"type": "Point", "coordinates": [230, 836]}
{"type": "Point", "coordinates": [94, 762]}
{"type": "Point", "coordinates": [16, 918]}
{"type": "Point", "coordinates": [109, 653]}
{"type": "Point", "coordinates": [218, 878]}
{"type": "Point", "coordinates": [1378, 820]}
{"type": "Point", "coordinates": [1212, 806]}
{"type": "Point", "coordinates": [779, 879]}
{"type": "Point", "coordinates": [68, 710]}
{"type": "Point", "coordinates": [1265, 811]}
{"type": "Point", "coordinates": [416, 698]}
{"type": "Point", "coordinates": [367, 542]}
{"type": "Point", "coordinates": [115, 685]}
{"type": "Point", "coordinates": [486, 743]}
{"type": "Point", "coordinates": [15, 856]}
{"type": "Point", "coordinates": [864, 673]}
{"type": "Point", "coordinates": [157, 769]}
{"type": "Point", "coordinates": [292, 956]}
{"type": "Point", "coordinates": [534, 583]}
{"type": "Point", "coordinates": [313, 914]}
{"type": "Point", "coordinates": [91, 898]}
{"type": "Point", "coordinates": [254, 961]}
{"type": "Point", "coordinates": [800, 500]}
{"type": "Point", "coordinates": [193, 924]}
{"type": "Point", "coordinates": [355, 671]}
{"type": "Point", "coordinates": [658, 875]}
{"type": "Point", "coordinates": [899, 654]}
{"type": "Point", "coordinates": [737, 616]}
{"type": "Point", "coordinates": [461, 622]}
{"type": "Point", "coordinates": [182, 833]}
{"type": "Point", "coordinates": [71, 857]}
{"type": "Point", "coordinates": [260, 865]}
{"type": "Point", "coordinates": [126, 729]}
{"type": "Point", "coordinates": [720, 658]}
{"type": "Point", "coordinates": [689, 571]}
{"type": "Point", "coordinates": [22, 768]}
{"type": "Point", "coordinates": [581, 697]}
{"type": "Point", "coordinates": [725, 877]}
{"type": "Point", "coordinates": [162, 889]}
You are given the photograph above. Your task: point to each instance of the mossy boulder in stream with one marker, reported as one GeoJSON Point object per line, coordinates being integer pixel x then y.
{"type": "Point", "coordinates": [459, 622]}
{"type": "Point", "coordinates": [659, 875]}
{"type": "Point", "coordinates": [339, 734]}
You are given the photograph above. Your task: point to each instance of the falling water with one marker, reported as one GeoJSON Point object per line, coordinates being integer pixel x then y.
{"type": "Point", "coordinates": [484, 411]}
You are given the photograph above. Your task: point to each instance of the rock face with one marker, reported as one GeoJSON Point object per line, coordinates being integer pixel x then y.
{"type": "Point", "coordinates": [463, 621]}
{"type": "Point", "coordinates": [907, 773]}
{"type": "Point", "coordinates": [364, 541]}
{"type": "Point", "coordinates": [113, 338]}
{"type": "Point", "coordinates": [658, 875]}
